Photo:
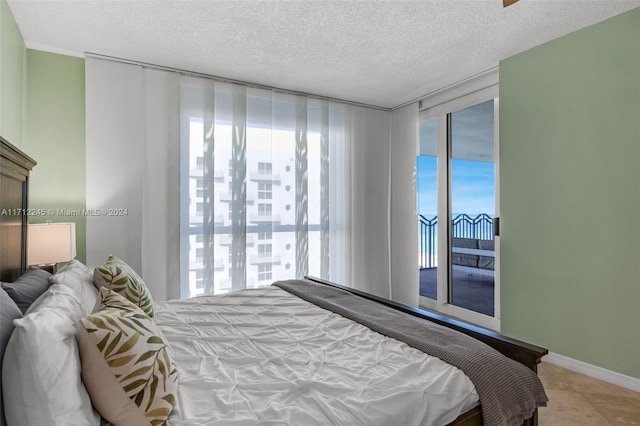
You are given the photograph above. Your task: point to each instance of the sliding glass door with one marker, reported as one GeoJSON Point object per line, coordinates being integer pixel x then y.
{"type": "Point", "coordinates": [472, 193]}
{"type": "Point", "coordinates": [456, 185]}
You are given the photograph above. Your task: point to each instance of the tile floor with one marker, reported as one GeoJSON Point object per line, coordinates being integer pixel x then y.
{"type": "Point", "coordinates": [575, 399]}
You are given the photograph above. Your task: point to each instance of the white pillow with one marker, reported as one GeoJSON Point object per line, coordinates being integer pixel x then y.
{"type": "Point", "coordinates": [41, 369]}
{"type": "Point", "coordinates": [79, 277]}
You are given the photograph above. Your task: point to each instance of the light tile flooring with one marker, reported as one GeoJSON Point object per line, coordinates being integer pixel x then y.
{"type": "Point", "coordinates": [575, 399]}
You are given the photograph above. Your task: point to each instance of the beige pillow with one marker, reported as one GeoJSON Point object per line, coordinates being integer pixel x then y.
{"type": "Point", "coordinates": [121, 278]}
{"type": "Point", "coordinates": [127, 366]}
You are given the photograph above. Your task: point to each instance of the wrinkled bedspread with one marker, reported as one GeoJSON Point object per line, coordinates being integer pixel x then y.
{"type": "Point", "coordinates": [266, 357]}
{"type": "Point", "coordinates": [509, 392]}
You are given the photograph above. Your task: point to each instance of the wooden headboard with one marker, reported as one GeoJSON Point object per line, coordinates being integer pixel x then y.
{"type": "Point", "coordinates": [14, 184]}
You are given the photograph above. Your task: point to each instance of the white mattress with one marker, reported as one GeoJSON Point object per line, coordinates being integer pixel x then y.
{"type": "Point", "coordinates": [264, 356]}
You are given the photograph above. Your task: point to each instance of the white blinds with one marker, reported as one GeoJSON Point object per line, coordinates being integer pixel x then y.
{"type": "Point", "coordinates": [265, 177]}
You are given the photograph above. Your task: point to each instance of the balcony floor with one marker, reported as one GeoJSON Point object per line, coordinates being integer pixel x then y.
{"type": "Point", "coordinates": [470, 291]}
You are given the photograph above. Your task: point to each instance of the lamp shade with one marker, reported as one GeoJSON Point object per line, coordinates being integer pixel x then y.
{"type": "Point", "coordinates": [49, 243]}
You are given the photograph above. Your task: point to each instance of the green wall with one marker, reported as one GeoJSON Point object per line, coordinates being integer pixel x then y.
{"type": "Point", "coordinates": [12, 77]}
{"type": "Point", "coordinates": [570, 194]}
{"type": "Point", "coordinates": [42, 113]}
{"type": "Point", "coordinates": [55, 138]}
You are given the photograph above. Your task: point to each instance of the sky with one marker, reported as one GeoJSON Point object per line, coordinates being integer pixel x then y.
{"type": "Point", "coordinates": [472, 187]}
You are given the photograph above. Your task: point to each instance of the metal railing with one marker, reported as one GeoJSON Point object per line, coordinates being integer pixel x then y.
{"type": "Point", "coordinates": [428, 241]}
{"type": "Point", "coordinates": [462, 226]}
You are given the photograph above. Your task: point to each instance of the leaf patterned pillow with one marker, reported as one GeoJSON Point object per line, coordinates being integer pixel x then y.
{"type": "Point", "coordinates": [121, 278]}
{"type": "Point", "coordinates": [127, 366]}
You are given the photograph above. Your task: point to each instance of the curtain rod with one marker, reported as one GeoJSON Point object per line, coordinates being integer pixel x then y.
{"type": "Point", "coordinates": [232, 81]}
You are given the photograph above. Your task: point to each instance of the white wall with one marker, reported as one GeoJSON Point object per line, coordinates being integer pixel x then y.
{"type": "Point", "coordinates": [405, 279]}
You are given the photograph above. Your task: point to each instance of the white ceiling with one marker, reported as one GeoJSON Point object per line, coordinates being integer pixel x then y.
{"type": "Point", "coordinates": [382, 53]}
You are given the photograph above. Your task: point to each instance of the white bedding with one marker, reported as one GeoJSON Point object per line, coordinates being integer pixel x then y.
{"type": "Point", "coordinates": [264, 356]}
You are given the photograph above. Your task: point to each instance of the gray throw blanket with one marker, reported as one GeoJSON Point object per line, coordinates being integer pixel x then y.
{"type": "Point", "coordinates": [509, 392]}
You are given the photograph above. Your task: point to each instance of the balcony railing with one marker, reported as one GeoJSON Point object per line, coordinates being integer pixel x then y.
{"type": "Point", "coordinates": [264, 258]}
{"type": "Point", "coordinates": [462, 226]}
{"type": "Point", "coordinates": [265, 177]}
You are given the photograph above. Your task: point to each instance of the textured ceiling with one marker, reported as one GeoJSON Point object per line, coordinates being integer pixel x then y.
{"type": "Point", "coordinates": [382, 53]}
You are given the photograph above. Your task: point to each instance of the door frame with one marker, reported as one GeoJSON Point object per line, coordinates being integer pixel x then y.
{"type": "Point", "coordinates": [442, 110]}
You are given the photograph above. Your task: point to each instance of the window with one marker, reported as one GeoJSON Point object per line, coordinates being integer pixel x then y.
{"type": "Point", "coordinates": [264, 191]}
{"type": "Point", "coordinates": [264, 272]}
{"type": "Point", "coordinates": [199, 188]}
{"type": "Point", "coordinates": [200, 279]}
{"type": "Point", "coordinates": [265, 168]}
{"type": "Point", "coordinates": [264, 250]}
{"type": "Point", "coordinates": [264, 210]}
{"type": "Point", "coordinates": [265, 235]}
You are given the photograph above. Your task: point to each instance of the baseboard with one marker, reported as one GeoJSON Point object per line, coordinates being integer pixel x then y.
{"type": "Point", "coordinates": [599, 373]}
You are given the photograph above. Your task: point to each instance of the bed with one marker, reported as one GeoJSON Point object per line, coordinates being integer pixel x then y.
{"type": "Point", "coordinates": [297, 352]}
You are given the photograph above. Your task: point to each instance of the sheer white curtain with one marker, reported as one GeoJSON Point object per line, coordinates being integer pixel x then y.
{"type": "Point", "coordinates": [369, 209]}
{"type": "Point", "coordinates": [132, 151]}
{"type": "Point", "coordinates": [228, 187]}
{"type": "Point", "coordinates": [268, 189]}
